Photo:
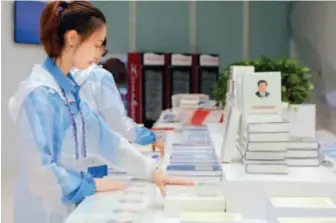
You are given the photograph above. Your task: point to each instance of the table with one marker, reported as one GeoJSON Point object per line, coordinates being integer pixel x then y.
{"type": "Point", "coordinates": [247, 193]}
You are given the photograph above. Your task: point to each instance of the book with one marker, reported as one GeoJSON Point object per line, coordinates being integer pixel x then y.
{"type": "Point", "coordinates": [304, 162]}
{"type": "Point", "coordinates": [303, 143]}
{"type": "Point", "coordinates": [265, 146]}
{"type": "Point", "coordinates": [302, 118]}
{"type": "Point", "coordinates": [279, 162]}
{"type": "Point", "coordinates": [194, 170]}
{"type": "Point", "coordinates": [296, 153]}
{"type": "Point", "coordinates": [260, 168]}
{"type": "Point", "coordinates": [192, 149]}
{"type": "Point", "coordinates": [210, 217]}
{"type": "Point", "coordinates": [267, 137]}
{"type": "Point", "coordinates": [261, 93]}
{"type": "Point", "coordinates": [255, 118]}
{"type": "Point", "coordinates": [193, 156]}
{"type": "Point", "coordinates": [236, 77]}
{"type": "Point", "coordinates": [268, 127]}
{"type": "Point", "coordinates": [194, 163]}
{"type": "Point", "coordinates": [256, 155]}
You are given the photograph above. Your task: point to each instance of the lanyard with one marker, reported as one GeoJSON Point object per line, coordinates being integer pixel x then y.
{"type": "Point", "coordinates": [74, 126]}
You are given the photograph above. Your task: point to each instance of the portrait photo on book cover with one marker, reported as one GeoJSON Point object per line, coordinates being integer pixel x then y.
{"type": "Point", "coordinates": [262, 91]}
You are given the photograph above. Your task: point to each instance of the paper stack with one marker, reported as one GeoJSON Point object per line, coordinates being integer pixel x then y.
{"type": "Point", "coordinates": [299, 207]}
{"type": "Point", "coordinates": [303, 152]}
{"type": "Point", "coordinates": [264, 147]}
{"type": "Point", "coordinates": [195, 157]}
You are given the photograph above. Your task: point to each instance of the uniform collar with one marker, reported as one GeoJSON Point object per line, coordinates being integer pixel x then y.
{"type": "Point", "coordinates": [66, 82]}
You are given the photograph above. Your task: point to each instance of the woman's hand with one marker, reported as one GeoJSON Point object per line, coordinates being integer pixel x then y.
{"type": "Point", "coordinates": [159, 144]}
{"type": "Point", "coordinates": [161, 180]}
{"type": "Point", "coordinates": [105, 185]}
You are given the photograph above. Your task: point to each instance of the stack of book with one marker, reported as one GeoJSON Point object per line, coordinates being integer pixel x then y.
{"type": "Point", "coordinates": [303, 152]}
{"type": "Point", "coordinates": [198, 135]}
{"type": "Point", "coordinates": [195, 157]}
{"type": "Point", "coordinates": [188, 100]}
{"type": "Point", "coordinates": [263, 146]}
{"type": "Point", "coordinates": [194, 162]}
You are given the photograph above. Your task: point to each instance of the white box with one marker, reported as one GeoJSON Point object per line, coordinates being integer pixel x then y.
{"type": "Point", "coordinates": [279, 207]}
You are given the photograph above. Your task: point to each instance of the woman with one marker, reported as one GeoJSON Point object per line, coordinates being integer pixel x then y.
{"type": "Point", "coordinates": [57, 127]}
{"type": "Point", "coordinates": [102, 95]}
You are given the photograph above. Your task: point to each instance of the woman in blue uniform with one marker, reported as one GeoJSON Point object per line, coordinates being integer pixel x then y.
{"type": "Point", "coordinates": [98, 87]}
{"type": "Point", "coordinates": [59, 131]}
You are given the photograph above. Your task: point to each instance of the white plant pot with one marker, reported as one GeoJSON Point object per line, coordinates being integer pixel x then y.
{"type": "Point", "coordinates": [284, 110]}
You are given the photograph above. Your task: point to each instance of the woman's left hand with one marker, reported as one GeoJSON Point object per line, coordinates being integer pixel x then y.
{"type": "Point", "coordinates": [162, 180]}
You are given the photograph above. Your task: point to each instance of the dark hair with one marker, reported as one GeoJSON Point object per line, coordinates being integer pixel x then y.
{"type": "Point", "coordinates": [104, 46]}
{"type": "Point", "coordinates": [117, 68]}
{"type": "Point", "coordinates": [262, 81]}
{"type": "Point", "coordinates": [58, 17]}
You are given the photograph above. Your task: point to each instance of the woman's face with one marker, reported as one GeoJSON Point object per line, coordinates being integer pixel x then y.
{"type": "Point", "coordinates": [89, 51]}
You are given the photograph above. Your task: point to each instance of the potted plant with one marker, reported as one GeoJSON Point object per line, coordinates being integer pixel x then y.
{"type": "Point", "coordinates": [295, 79]}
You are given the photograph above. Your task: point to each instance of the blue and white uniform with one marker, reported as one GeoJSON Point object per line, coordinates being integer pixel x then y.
{"type": "Point", "coordinates": [100, 91]}
{"type": "Point", "coordinates": [58, 132]}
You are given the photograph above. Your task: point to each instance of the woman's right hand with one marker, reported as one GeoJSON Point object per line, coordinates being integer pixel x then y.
{"type": "Point", "coordinates": [106, 185]}
{"type": "Point", "coordinates": [159, 144]}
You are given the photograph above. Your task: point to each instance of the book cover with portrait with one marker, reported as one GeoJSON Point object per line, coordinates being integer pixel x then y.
{"type": "Point", "coordinates": [262, 93]}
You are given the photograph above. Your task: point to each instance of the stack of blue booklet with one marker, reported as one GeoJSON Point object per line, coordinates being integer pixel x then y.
{"type": "Point", "coordinates": [196, 135]}
{"type": "Point", "coordinates": [195, 157]}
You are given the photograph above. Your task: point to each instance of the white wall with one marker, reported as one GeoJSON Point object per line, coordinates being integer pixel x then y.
{"type": "Point", "coordinates": [17, 61]}
{"type": "Point", "coordinates": [314, 33]}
